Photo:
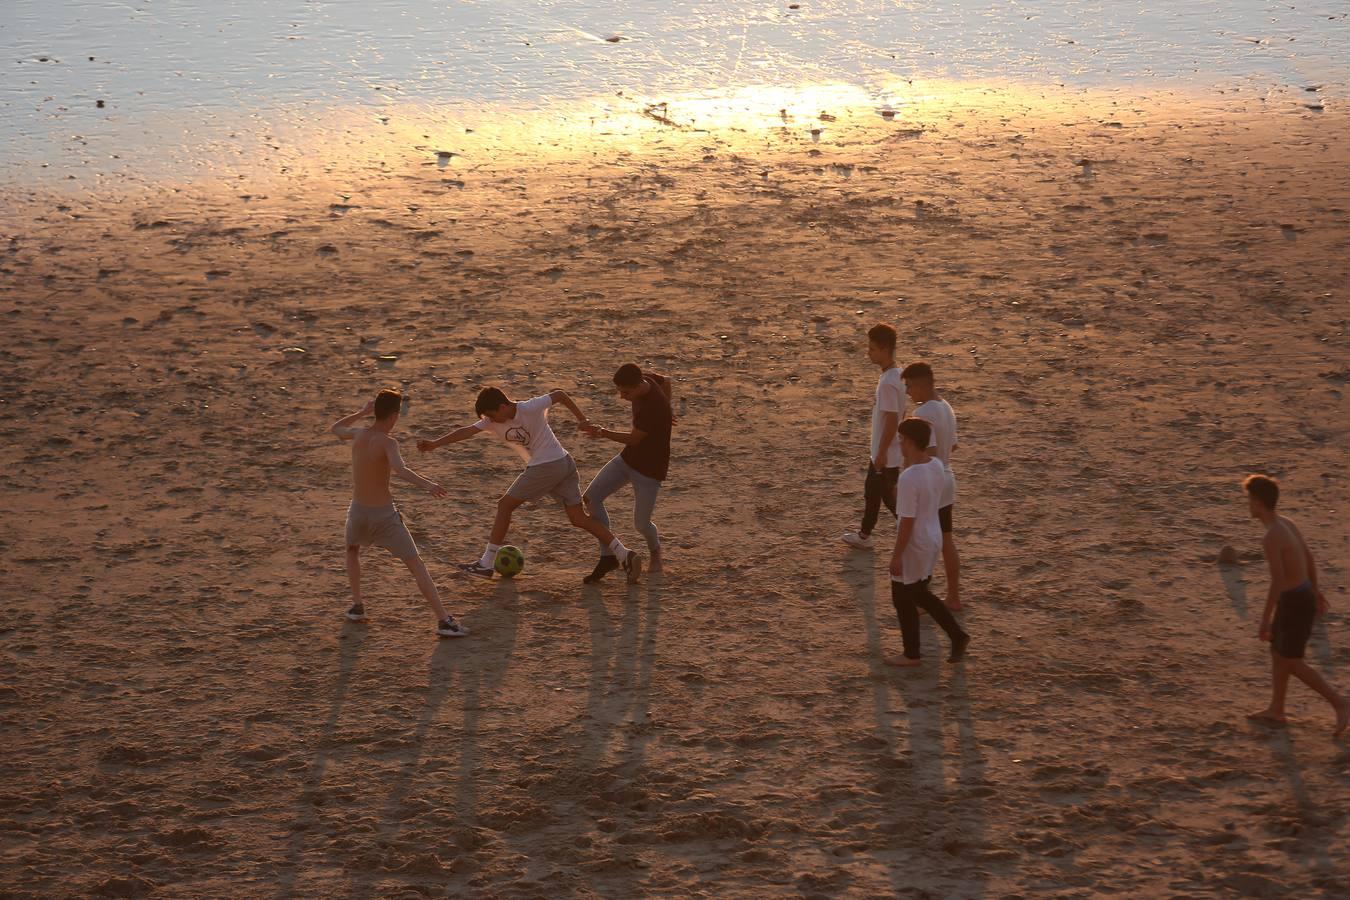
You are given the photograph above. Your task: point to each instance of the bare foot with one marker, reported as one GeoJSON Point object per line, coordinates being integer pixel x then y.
{"type": "Point", "coordinates": [901, 662]}
{"type": "Point", "coordinates": [633, 566]}
{"type": "Point", "coordinates": [1266, 717]}
{"type": "Point", "coordinates": [953, 602]}
{"type": "Point", "coordinates": [1342, 718]}
{"type": "Point", "coordinates": [654, 564]}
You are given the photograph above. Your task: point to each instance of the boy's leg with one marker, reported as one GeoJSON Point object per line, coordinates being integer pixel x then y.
{"type": "Point", "coordinates": [890, 478]}
{"type": "Point", "coordinates": [577, 516]}
{"type": "Point", "coordinates": [354, 579]}
{"type": "Point", "coordinates": [631, 560]}
{"type": "Point", "coordinates": [645, 491]}
{"type": "Point", "coordinates": [502, 523]}
{"type": "Point", "coordinates": [427, 586]}
{"type": "Point", "coordinates": [609, 479]}
{"type": "Point", "coordinates": [500, 526]}
{"type": "Point", "coordinates": [1279, 687]}
{"type": "Point", "coordinates": [943, 616]}
{"type": "Point", "coordinates": [873, 490]}
{"type": "Point", "coordinates": [951, 561]}
{"type": "Point", "coordinates": [1313, 679]}
{"type": "Point", "coordinates": [354, 573]}
{"type": "Point", "coordinates": [902, 597]}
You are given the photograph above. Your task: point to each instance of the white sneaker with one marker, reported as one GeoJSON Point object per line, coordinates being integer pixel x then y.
{"type": "Point", "coordinates": [857, 541]}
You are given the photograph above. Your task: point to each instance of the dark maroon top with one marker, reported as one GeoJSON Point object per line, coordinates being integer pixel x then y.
{"type": "Point", "coordinates": [652, 416]}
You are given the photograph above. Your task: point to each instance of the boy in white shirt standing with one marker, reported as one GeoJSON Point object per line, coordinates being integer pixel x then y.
{"type": "Point", "coordinates": [937, 412]}
{"type": "Point", "coordinates": [883, 462]}
{"type": "Point", "coordinates": [918, 540]}
{"type": "Point", "coordinates": [549, 470]}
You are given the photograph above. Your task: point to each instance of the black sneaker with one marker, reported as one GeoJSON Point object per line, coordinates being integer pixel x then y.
{"type": "Point", "coordinates": [448, 627]}
{"type": "Point", "coordinates": [608, 563]}
{"type": "Point", "coordinates": [357, 613]}
{"type": "Point", "coordinates": [632, 564]}
{"type": "Point", "coordinates": [476, 570]}
{"type": "Point", "coordinates": [959, 648]}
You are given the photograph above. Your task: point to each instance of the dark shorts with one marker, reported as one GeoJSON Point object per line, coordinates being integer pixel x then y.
{"type": "Point", "coordinates": [1294, 615]}
{"type": "Point", "coordinates": [945, 518]}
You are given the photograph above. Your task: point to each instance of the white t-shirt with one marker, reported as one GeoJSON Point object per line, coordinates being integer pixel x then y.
{"type": "Point", "coordinates": [938, 413]}
{"type": "Point", "coordinates": [918, 496]}
{"type": "Point", "coordinates": [528, 433]}
{"type": "Point", "coordinates": [890, 398]}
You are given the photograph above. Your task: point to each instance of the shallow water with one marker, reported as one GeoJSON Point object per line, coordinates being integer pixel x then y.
{"type": "Point", "coordinates": [184, 86]}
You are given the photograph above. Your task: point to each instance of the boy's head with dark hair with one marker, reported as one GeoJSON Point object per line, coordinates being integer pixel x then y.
{"type": "Point", "coordinates": [1262, 490]}
{"type": "Point", "coordinates": [629, 375]}
{"type": "Point", "coordinates": [882, 336]}
{"type": "Point", "coordinates": [918, 379]}
{"type": "Point", "coordinates": [489, 401]}
{"type": "Point", "coordinates": [916, 431]}
{"type": "Point", "coordinates": [630, 382]}
{"type": "Point", "coordinates": [919, 371]}
{"type": "Point", "coordinates": [387, 403]}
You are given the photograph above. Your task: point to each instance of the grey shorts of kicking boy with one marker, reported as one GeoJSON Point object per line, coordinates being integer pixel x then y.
{"type": "Point", "coordinates": [381, 526]}
{"type": "Point", "coordinates": [556, 479]}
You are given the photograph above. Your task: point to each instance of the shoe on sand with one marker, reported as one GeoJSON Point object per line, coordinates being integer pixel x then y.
{"type": "Point", "coordinates": [477, 571]}
{"type": "Point", "coordinates": [607, 563]}
{"type": "Point", "coordinates": [357, 613]}
{"type": "Point", "coordinates": [448, 627]}
{"type": "Point", "coordinates": [857, 541]}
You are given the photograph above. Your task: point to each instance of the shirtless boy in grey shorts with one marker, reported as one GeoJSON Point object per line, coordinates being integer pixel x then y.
{"type": "Point", "coordinates": [550, 470]}
{"type": "Point", "coordinates": [372, 517]}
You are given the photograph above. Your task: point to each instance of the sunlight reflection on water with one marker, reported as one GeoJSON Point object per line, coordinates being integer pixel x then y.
{"type": "Point", "coordinates": [179, 84]}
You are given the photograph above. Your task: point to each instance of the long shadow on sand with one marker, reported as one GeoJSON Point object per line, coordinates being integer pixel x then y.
{"type": "Point", "coordinates": [477, 665]}
{"type": "Point", "coordinates": [350, 642]}
{"type": "Point", "coordinates": [1315, 839]}
{"type": "Point", "coordinates": [620, 673]}
{"type": "Point", "coordinates": [921, 813]}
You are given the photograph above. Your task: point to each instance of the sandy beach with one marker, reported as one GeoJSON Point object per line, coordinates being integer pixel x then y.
{"type": "Point", "coordinates": [1131, 301]}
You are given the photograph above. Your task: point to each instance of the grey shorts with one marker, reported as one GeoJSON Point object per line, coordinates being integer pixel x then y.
{"type": "Point", "coordinates": [553, 479]}
{"type": "Point", "coordinates": [381, 526]}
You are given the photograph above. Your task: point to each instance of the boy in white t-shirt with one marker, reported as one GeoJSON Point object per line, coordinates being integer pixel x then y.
{"type": "Point", "coordinates": [918, 541]}
{"type": "Point", "coordinates": [918, 378]}
{"type": "Point", "coordinates": [883, 458]}
{"type": "Point", "coordinates": [549, 470]}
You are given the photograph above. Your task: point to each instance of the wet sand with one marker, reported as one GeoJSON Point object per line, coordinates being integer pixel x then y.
{"type": "Point", "coordinates": [1131, 303]}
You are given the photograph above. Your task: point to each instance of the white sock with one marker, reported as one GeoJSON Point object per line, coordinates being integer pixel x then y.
{"type": "Point", "coordinates": [489, 555]}
{"type": "Point", "coordinates": [619, 550]}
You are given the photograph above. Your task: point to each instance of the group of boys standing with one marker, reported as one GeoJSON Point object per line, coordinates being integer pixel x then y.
{"type": "Point", "coordinates": [908, 469]}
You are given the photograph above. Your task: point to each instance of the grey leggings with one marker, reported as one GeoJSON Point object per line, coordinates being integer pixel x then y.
{"type": "Point", "coordinates": [613, 476]}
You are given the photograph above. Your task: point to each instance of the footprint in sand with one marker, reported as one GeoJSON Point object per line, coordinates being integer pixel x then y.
{"type": "Point", "coordinates": [327, 250]}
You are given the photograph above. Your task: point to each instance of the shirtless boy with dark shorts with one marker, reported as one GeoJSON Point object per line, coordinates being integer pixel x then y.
{"type": "Point", "coordinates": [1292, 605]}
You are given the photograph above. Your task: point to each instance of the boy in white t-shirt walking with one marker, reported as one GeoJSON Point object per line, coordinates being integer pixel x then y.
{"type": "Point", "coordinates": [883, 461]}
{"type": "Point", "coordinates": [549, 470]}
{"type": "Point", "coordinates": [918, 540]}
{"type": "Point", "coordinates": [936, 411]}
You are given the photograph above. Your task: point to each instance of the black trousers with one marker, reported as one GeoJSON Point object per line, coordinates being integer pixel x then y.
{"type": "Point", "coordinates": [907, 599]}
{"type": "Point", "coordinates": [879, 487]}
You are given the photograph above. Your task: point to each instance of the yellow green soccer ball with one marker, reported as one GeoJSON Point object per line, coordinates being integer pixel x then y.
{"type": "Point", "coordinates": [509, 562]}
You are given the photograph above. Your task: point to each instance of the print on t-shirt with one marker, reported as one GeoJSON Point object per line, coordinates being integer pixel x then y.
{"type": "Point", "coordinates": [518, 435]}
